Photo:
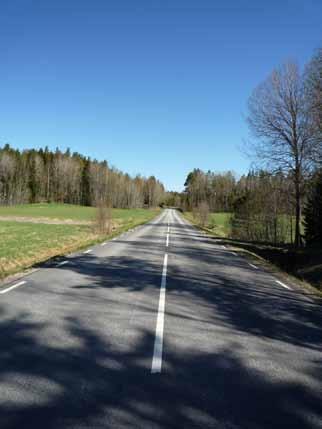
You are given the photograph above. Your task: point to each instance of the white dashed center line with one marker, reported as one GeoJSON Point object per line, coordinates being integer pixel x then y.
{"type": "Point", "coordinates": [253, 266]}
{"type": "Point", "coordinates": [158, 343]}
{"type": "Point", "coordinates": [12, 287]}
{"type": "Point", "coordinates": [283, 285]}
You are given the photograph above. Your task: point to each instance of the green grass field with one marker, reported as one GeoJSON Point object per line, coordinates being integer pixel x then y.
{"type": "Point", "coordinates": [23, 244]}
{"type": "Point", "coordinates": [218, 223]}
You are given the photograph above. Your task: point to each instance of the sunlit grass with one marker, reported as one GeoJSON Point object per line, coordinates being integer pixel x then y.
{"type": "Point", "coordinates": [218, 223]}
{"type": "Point", "coordinates": [23, 244]}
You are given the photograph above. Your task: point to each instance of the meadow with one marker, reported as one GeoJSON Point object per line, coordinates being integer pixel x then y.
{"type": "Point", "coordinates": [218, 223]}
{"type": "Point", "coordinates": [27, 235]}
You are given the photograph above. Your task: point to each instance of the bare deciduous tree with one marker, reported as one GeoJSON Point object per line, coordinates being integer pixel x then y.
{"type": "Point", "coordinates": [313, 90]}
{"type": "Point", "coordinates": [278, 117]}
{"type": "Point", "coordinates": [103, 219]}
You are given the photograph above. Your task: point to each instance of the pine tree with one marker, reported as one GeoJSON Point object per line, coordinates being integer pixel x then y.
{"type": "Point", "coordinates": [313, 213]}
{"type": "Point", "coordinates": [85, 183]}
{"type": "Point", "coordinates": [32, 182]}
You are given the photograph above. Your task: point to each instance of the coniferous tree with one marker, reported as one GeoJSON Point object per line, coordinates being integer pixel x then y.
{"type": "Point", "coordinates": [85, 184]}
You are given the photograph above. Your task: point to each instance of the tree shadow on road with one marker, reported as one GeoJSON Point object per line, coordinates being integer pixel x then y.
{"type": "Point", "coordinates": [237, 296]}
{"type": "Point", "coordinates": [96, 385]}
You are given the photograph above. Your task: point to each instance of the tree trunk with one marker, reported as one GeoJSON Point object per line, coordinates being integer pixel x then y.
{"type": "Point", "coordinates": [297, 213]}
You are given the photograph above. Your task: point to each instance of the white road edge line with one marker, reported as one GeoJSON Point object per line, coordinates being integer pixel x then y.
{"type": "Point", "coordinates": [12, 287]}
{"type": "Point", "coordinates": [62, 263]}
{"type": "Point", "coordinates": [233, 253]}
{"type": "Point", "coordinates": [88, 251]}
{"type": "Point", "coordinates": [283, 285]}
{"type": "Point", "coordinates": [158, 343]}
{"type": "Point", "coordinates": [103, 244]}
{"type": "Point", "coordinates": [253, 266]}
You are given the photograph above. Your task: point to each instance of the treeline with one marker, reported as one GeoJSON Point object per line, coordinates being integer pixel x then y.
{"type": "Point", "coordinates": [261, 203]}
{"type": "Point", "coordinates": [31, 176]}
{"type": "Point", "coordinates": [263, 209]}
{"type": "Point", "coordinates": [217, 189]}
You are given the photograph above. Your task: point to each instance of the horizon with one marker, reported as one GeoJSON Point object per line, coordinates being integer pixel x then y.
{"type": "Point", "coordinates": [152, 89]}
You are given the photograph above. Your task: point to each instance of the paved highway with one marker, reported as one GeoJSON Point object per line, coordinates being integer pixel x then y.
{"type": "Point", "coordinates": [159, 328]}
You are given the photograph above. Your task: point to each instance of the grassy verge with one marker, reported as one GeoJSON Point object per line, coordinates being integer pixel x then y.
{"type": "Point", "coordinates": [24, 244]}
{"type": "Point", "coordinates": [304, 265]}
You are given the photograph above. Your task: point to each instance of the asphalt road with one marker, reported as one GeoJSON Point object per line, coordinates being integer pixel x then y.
{"type": "Point", "coordinates": [160, 328]}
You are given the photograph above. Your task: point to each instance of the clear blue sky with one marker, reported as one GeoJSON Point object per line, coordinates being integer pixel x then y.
{"type": "Point", "coordinates": [154, 87]}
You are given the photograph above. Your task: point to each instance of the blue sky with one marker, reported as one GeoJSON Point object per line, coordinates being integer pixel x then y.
{"type": "Point", "coordinates": [154, 87]}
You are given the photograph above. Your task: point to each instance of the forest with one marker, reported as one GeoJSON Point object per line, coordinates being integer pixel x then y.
{"type": "Point", "coordinates": [32, 176]}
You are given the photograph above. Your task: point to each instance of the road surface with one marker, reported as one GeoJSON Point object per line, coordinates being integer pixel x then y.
{"type": "Point", "coordinates": [159, 328]}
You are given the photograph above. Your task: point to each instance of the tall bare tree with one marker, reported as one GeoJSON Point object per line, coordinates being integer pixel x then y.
{"type": "Point", "coordinates": [284, 130]}
{"type": "Point", "coordinates": [313, 89]}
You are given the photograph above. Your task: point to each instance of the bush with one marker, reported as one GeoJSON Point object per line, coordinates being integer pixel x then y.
{"type": "Point", "coordinates": [103, 219]}
{"type": "Point", "coordinates": [203, 213]}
